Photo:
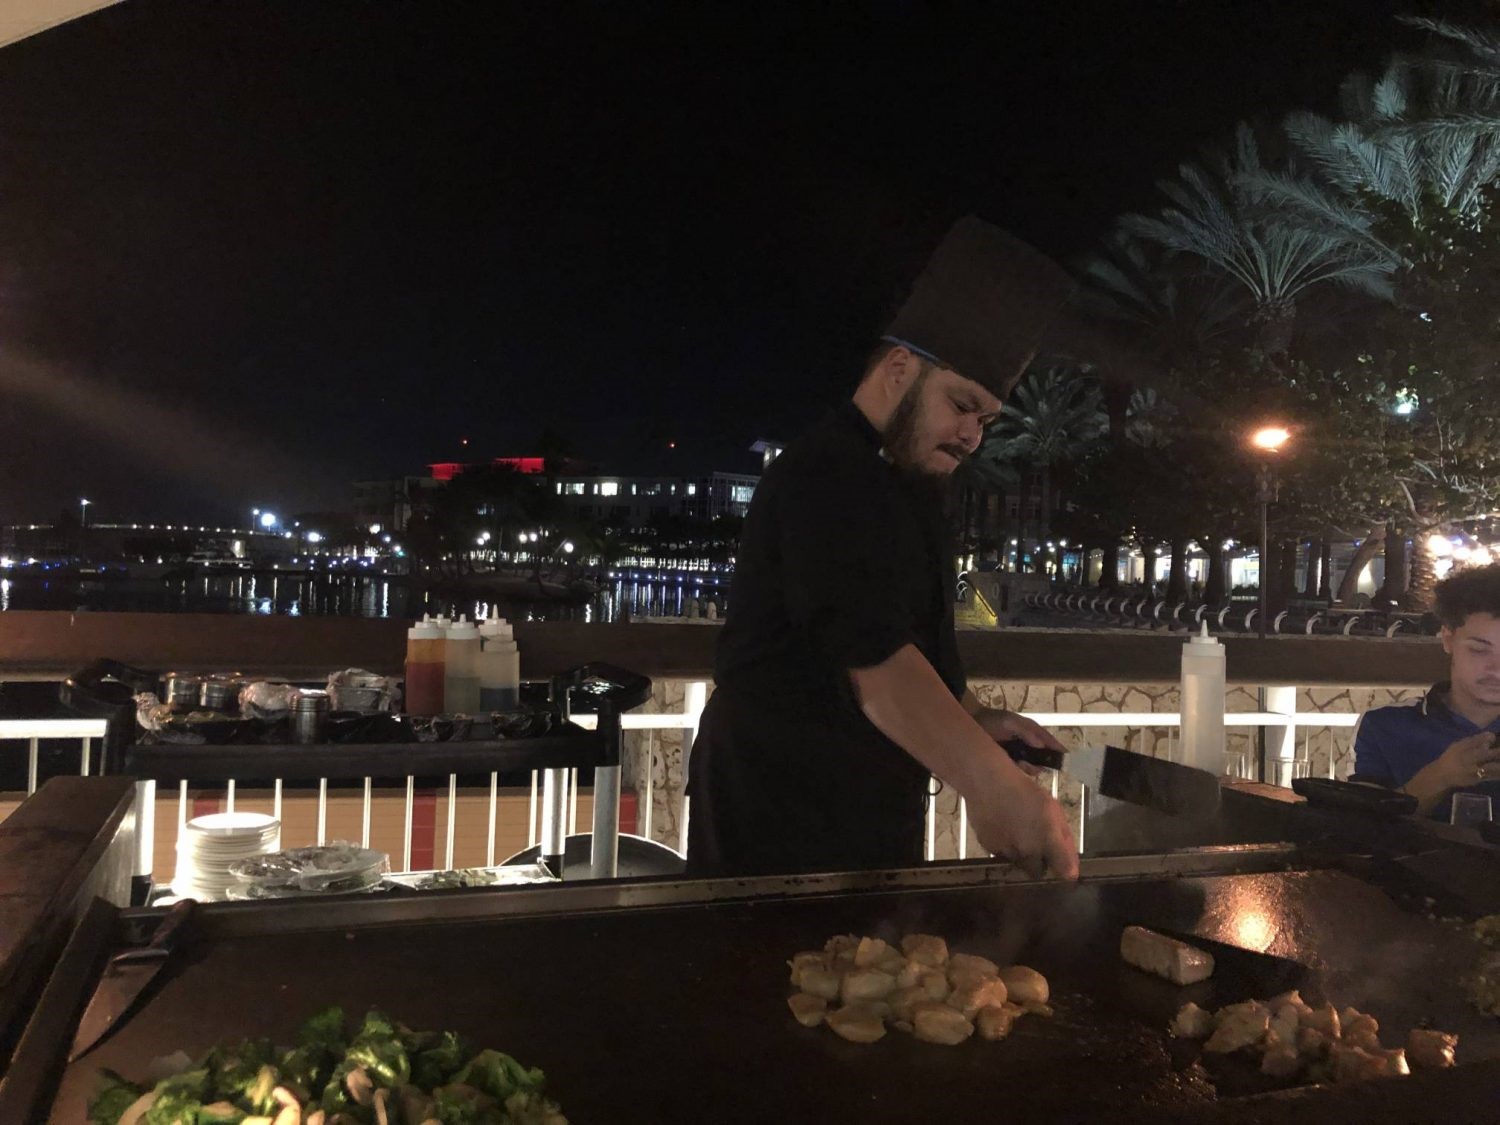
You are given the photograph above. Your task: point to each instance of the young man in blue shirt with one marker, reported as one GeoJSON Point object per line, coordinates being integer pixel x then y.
{"type": "Point", "coordinates": [1446, 741]}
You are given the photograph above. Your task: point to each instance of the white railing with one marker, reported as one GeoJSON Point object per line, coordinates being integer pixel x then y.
{"type": "Point", "coordinates": [1286, 723]}
{"type": "Point", "coordinates": [33, 731]}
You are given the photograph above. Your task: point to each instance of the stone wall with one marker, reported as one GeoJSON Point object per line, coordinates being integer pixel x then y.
{"type": "Point", "coordinates": [1327, 752]}
{"type": "Point", "coordinates": [658, 754]}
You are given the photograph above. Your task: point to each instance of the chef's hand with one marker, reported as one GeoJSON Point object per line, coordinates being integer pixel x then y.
{"type": "Point", "coordinates": [1004, 725]}
{"type": "Point", "coordinates": [1015, 819]}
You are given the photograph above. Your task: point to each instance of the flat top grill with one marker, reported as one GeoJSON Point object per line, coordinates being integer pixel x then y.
{"type": "Point", "coordinates": [676, 1013]}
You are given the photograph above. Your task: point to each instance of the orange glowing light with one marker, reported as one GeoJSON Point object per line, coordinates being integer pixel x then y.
{"type": "Point", "coordinates": [1270, 438]}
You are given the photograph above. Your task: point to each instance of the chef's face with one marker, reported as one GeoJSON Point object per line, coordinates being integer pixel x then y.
{"type": "Point", "coordinates": [938, 422]}
{"type": "Point", "coordinates": [1475, 649]}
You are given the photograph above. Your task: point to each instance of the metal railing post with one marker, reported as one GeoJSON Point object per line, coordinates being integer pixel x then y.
{"type": "Point", "coordinates": [1280, 740]}
{"type": "Point", "coordinates": [145, 827]}
{"type": "Point", "coordinates": [605, 853]}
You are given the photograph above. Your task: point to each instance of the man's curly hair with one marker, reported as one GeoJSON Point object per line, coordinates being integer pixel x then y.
{"type": "Point", "coordinates": [1474, 589]}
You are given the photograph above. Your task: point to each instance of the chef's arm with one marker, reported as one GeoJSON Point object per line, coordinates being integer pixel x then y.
{"type": "Point", "coordinates": [907, 701]}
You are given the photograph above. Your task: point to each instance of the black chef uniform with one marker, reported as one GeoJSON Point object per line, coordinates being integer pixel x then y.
{"type": "Point", "coordinates": [843, 561]}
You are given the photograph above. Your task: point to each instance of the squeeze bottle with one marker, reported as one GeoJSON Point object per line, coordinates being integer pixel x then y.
{"type": "Point", "coordinates": [1203, 703]}
{"type": "Point", "coordinates": [460, 675]}
{"type": "Point", "coordinates": [424, 668]}
{"type": "Point", "coordinates": [499, 666]}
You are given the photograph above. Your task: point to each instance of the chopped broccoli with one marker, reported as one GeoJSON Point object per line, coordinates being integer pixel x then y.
{"type": "Point", "coordinates": [325, 1030]}
{"type": "Point", "coordinates": [439, 1061]}
{"type": "Point", "coordinates": [179, 1098]}
{"type": "Point", "coordinates": [378, 1048]}
{"type": "Point", "coordinates": [499, 1075]}
{"type": "Point", "coordinates": [114, 1098]}
{"type": "Point", "coordinates": [237, 1067]}
{"type": "Point", "coordinates": [377, 1025]}
{"type": "Point", "coordinates": [427, 1070]}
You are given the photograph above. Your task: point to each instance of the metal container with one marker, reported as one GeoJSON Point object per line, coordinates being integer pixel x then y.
{"type": "Point", "coordinates": [180, 690]}
{"type": "Point", "coordinates": [219, 693]}
{"type": "Point", "coordinates": [364, 692]}
{"type": "Point", "coordinates": [309, 715]}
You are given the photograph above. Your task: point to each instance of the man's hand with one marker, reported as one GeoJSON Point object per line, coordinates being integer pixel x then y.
{"type": "Point", "coordinates": [1002, 725]}
{"type": "Point", "coordinates": [1019, 822]}
{"type": "Point", "coordinates": [1466, 762]}
{"type": "Point", "coordinates": [1470, 760]}
{"type": "Point", "coordinates": [908, 703]}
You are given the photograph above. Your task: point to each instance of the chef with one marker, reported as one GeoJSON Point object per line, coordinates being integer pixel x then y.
{"type": "Point", "coordinates": [838, 686]}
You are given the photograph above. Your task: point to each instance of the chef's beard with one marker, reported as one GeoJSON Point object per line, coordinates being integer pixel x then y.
{"type": "Point", "coordinates": [900, 438]}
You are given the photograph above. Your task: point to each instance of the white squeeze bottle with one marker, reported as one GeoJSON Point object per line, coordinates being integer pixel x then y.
{"type": "Point", "coordinates": [1203, 703]}
{"type": "Point", "coordinates": [499, 666]}
{"type": "Point", "coordinates": [460, 668]}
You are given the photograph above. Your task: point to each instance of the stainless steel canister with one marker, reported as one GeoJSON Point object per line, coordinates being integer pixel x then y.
{"type": "Point", "coordinates": [219, 693]}
{"type": "Point", "coordinates": [180, 690]}
{"type": "Point", "coordinates": [309, 714]}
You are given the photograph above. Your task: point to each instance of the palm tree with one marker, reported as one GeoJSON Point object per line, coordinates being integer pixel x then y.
{"type": "Point", "coordinates": [1174, 315]}
{"type": "Point", "coordinates": [1464, 64]}
{"type": "Point", "coordinates": [1220, 215]}
{"type": "Point", "coordinates": [1051, 416]}
{"type": "Point", "coordinates": [1408, 170]}
{"type": "Point", "coordinates": [1385, 158]}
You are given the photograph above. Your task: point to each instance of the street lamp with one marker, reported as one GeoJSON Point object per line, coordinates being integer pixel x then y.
{"type": "Point", "coordinates": [83, 513]}
{"type": "Point", "coordinates": [1267, 441]}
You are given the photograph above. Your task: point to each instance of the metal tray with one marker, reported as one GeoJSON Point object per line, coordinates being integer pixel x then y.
{"type": "Point", "coordinates": [520, 875]}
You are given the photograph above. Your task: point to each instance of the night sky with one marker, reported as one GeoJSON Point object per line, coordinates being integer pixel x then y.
{"type": "Point", "coordinates": [250, 252]}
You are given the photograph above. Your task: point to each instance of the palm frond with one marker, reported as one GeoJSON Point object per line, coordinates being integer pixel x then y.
{"type": "Point", "coordinates": [1484, 44]}
{"type": "Point", "coordinates": [1222, 216]}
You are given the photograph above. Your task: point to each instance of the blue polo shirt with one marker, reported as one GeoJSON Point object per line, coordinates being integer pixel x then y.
{"type": "Point", "coordinates": [1392, 743]}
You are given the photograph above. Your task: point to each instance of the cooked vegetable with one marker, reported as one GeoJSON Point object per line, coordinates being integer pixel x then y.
{"type": "Point", "coordinates": [384, 1074]}
{"type": "Point", "coordinates": [115, 1096]}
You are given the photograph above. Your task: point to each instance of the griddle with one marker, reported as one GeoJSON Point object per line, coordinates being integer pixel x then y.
{"type": "Point", "coordinates": [664, 1001]}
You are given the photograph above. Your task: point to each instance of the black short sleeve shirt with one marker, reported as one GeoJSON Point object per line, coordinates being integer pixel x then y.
{"type": "Point", "coordinates": [843, 561]}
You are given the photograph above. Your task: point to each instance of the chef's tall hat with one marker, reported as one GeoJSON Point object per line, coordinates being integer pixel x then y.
{"type": "Point", "coordinates": [982, 305]}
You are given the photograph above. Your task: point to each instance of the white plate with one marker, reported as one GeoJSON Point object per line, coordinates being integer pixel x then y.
{"type": "Point", "coordinates": [233, 824]}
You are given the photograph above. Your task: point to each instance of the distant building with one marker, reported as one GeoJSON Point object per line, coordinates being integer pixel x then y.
{"type": "Point", "coordinates": [390, 503]}
{"type": "Point", "coordinates": [768, 450]}
{"type": "Point", "coordinates": [447, 470]}
{"type": "Point", "coordinates": [635, 501]}
{"type": "Point", "coordinates": [586, 494]}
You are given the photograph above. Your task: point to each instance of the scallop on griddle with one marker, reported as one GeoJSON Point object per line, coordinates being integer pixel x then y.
{"type": "Point", "coordinates": [1295, 1041]}
{"type": "Point", "coordinates": [859, 986]}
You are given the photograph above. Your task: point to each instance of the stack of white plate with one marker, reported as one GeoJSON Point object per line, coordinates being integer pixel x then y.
{"type": "Point", "coordinates": [211, 843]}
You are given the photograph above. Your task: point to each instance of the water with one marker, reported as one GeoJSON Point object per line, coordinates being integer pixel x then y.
{"type": "Point", "coordinates": [346, 596]}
